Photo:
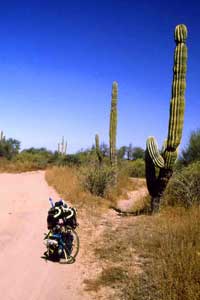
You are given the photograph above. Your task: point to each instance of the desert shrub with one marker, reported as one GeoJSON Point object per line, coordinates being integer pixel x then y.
{"type": "Point", "coordinates": [97, 180]}
{"type": "Point", "coordinates": [184, 186]}
{"type": "Point", "coordinates": [38, 159]}
{"type": "Point", "coordinates": [135, 168]}
{"type": "Point", "coordinates": [138, 168]}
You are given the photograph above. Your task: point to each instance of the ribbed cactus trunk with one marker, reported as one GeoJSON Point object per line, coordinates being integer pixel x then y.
{"type": "Point", "coordinates": [166, 159]}
{"type": "Point", "coordinates": [98, 151]}
{"type": "Point", "coordinates": [113, 129]}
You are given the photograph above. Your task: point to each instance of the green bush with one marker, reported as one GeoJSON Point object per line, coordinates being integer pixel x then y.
{"type": "Point", "coordinates": [9, 148]}
{"type": "Point", "coordinates": [184, 186]}
{"type": "Point", "coordinates": [97, 180]}
{"type": "Point", "coordinates": [135, 168]}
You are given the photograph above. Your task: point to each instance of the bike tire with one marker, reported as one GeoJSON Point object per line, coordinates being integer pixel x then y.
{"type": "Point", "coordinates": [76, 242]}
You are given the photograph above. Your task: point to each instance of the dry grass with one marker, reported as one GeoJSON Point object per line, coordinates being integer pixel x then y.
{"type": "Point", "coordinates": [141, 258]}
{"type": "Point", "coordinates": [7, 166]}
{"type": "Point", "coordinates": [66, 181]}
{"type": "Point", "coordinates": [141, 205]}
{"type": "Point", "coordinates": [159, 254]}
{"type": "Point", "coordinates": [125, 184]}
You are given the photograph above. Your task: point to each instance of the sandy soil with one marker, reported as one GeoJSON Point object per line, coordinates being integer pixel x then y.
{"type": "Point", "coordinates": [125, 205]}
{"type": "Point", "coordinates": [23, 274]}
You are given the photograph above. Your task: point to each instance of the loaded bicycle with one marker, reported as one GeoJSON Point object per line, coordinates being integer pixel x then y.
{"type": "Point", "coordinates": [61, 241]}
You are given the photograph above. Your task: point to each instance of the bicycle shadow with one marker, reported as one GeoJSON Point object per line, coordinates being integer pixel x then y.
{"type": "Point", "coordinates": [58, 259]}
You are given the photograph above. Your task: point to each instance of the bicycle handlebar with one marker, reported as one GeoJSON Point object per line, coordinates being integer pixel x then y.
{"type": "Point", "coordinates": [51, 202]}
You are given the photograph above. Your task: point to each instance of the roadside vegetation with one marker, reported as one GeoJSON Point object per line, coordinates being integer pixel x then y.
{"type": "Point", "coordinates": [148, 256]}
{"type": "Point", "coordinates": [153, 257]}
{"type": "Point", "coordinates": [143, 257]}
{"type": "Point", "coordinates": [156, 257]}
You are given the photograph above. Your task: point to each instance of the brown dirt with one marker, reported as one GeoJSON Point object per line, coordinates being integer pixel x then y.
{"type": "Point", "coordinates": [125, 205]}
{"type": "Point", "coordinates": [24, 275]}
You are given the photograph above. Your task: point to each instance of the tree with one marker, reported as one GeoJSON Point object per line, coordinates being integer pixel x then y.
{"type": "Point", "coordinates": [9, 148]}
{"type": "Point", "coordinates": [104, 149]}
{"type": "Point", "coordinates": [137, 153]}
{"type": "Point", "coordinates": [192, 152]}
{"type": "Point", "coordinates": [121, 152]}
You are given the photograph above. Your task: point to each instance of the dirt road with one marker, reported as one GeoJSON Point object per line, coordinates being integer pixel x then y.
{"type": "Point", "coordinates": [23, 274]}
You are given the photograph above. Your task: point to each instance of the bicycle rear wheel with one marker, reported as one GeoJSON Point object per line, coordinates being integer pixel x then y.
{"type": "Point", "coordinates": [71, 248]}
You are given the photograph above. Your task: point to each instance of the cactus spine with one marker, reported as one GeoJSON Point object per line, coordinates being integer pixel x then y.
{"type": "Point", "coordinates": [166, 159]}
{"type": "Point", "coordinates": [113, 129]}
{"type": "Point", "coordinates": [98, 151]}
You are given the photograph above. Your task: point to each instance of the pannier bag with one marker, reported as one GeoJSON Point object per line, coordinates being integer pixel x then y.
{"type": "Point", "coordinates": [53, 218]}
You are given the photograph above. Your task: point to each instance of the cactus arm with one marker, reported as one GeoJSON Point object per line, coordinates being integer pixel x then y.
{"type": "Point", "coordinates": [154, 153]}
{"type": "Point", "coordinates": [150, 172]}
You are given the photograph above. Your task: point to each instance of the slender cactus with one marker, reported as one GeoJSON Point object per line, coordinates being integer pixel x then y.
{"type": "Point", "coordinates": [165, 159]}
{"type": "Point", "coordinates": [98, 151]}
{"type": "Point", "coordinates": [58, 148]}
{"type": "Point", "coordinates": [65, 149]}
{"type": "Point", "coordinates": [2, 137]}
{"type": "Point", "coordinates": [113, 129]}
{"type": "Point", "coordinates": [62, 147]}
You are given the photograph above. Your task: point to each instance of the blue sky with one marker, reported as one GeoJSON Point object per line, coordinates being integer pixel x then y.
{"type": "Point", "coordinates": [58, 60]}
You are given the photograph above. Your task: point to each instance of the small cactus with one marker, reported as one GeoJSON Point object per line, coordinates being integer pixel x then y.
{"type": "Point", "coordinates": [166, 159]}
{"type": "Point", "coordinates": [98, 151]}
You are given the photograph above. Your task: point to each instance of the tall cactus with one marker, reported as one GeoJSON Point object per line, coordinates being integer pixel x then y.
{"type": "Point", "coordinates": [113, 128]}
{"type": "Point", "coordinates": [165, 159]}
{"type": "Point", "coordinates": [98, 151]}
